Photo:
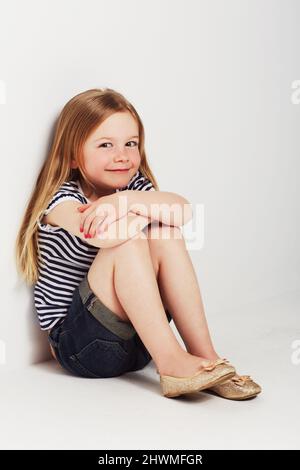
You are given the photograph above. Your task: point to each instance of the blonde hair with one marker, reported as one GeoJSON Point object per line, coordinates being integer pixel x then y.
{"type": "Point", "coordinates": [79, 117]}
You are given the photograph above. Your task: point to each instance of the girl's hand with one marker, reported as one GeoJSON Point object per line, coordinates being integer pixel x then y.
{"type": "Point", "coordinates": [98, 215]}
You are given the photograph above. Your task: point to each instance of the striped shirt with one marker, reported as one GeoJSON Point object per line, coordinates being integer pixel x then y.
{"type": "Point", "coordinates": [66, 258]}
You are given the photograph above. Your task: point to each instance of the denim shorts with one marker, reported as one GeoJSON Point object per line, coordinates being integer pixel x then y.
{"type": "Point", "coordinates": [94, 342]}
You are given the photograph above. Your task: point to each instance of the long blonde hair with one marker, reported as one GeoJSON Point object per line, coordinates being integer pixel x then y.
{"type": "Point", "coordinates": [79, 117]}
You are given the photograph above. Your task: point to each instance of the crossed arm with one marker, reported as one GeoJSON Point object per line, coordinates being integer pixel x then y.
{"type": "Point", "coordinates": [166, 207]}
{"type": "Point", "coordinates": [143, 208]}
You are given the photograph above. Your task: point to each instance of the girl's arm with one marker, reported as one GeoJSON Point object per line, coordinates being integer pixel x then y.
{"type": "Point", "coordinates": [166, 207]}
{"type": "Point", "coordinates": [66, 215]}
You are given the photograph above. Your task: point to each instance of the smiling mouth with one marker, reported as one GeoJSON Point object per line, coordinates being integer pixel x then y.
{"type": "Point", "coordinates": [124, 169]}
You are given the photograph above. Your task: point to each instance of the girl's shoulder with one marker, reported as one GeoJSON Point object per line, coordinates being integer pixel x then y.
{"type": "Point", "coordinates": [69, 190]}
{"type": "Point", "coordinates": [70, 186]}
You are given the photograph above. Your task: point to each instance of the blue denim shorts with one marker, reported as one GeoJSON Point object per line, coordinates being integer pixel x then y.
{"type": "Point", "coordinates": [94, 342]}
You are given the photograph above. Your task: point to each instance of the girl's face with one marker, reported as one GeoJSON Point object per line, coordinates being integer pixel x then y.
{"type": "Point", "coordinates": [112, 146]}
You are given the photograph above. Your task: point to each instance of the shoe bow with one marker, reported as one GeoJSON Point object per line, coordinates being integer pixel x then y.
{"type": "Point", "coordinates": [241, 379]}
{"type": "Point", "coordinates": [216, 363]}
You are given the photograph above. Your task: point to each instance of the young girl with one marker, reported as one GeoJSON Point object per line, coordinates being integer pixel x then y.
{"type": "Point", "coordinates": [105, 259]}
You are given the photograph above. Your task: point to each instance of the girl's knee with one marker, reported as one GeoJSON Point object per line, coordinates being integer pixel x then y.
{"type": "Point", "coordinates": [137, 241]}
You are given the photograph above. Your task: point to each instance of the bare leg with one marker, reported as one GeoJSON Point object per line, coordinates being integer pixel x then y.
{"type": "Point", "coordinates": [179, 289]}
{"type": "Point", "coordinates": [135, 289]}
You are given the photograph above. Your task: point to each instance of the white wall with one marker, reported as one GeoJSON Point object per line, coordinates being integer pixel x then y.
{"type": "Point", "coordinates": [212, 83]}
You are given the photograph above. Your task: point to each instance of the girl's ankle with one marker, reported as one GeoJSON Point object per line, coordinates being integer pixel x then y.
{"type": "Point", "coordinates": [184, 365]}
{"type": "Point", "coordinates": [170, 362]}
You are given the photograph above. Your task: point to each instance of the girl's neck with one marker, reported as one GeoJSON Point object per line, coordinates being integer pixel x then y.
{"type": "Point", "coordinates": [94, 196]}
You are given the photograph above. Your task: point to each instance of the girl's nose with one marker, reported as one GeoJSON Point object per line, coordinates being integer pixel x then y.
{"type": "Point", "coordinates": [121, 156]}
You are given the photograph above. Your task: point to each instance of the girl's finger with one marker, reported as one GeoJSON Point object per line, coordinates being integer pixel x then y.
{"type": "Point", "coordinates": [83, 207]}
{"type": "Point", "coordinates": [86, 222]}
{"type": "Point", "coordinates": [96, 222]}
{"type": "Point", "coordinates": [104, 226]}
{"type": "Point", "coordinates": [90, 223]}
{"type": "Point", "coordinates": [99, 227]}
{"type": "Point", "coordinates": [86, 219]}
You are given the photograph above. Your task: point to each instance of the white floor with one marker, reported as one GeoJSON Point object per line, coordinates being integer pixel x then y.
{"type": "Point", "coordinates": [43, 407]}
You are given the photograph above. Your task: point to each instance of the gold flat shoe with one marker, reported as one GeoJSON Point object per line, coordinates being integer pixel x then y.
{"type": "Point", "coordinates": [213, 374]}
{"type": "Point", "coordinates": [239, 387]}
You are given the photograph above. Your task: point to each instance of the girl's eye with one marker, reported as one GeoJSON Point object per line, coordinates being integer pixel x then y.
{"type": "Point", "coordinates": [133, 141]}
{"type": "Point", "coordinates": [105, 143]}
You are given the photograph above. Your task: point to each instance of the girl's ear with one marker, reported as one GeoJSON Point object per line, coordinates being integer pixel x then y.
{"type": "Point", "coordinates": [73, 163]}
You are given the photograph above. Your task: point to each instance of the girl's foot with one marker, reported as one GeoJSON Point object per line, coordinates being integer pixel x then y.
{"type": "Point", "coordinates": [239, 387]}
{"type": "Point", "coordinates": [214, 373]}
{"type": "Point", "coordinates": [184, 365]}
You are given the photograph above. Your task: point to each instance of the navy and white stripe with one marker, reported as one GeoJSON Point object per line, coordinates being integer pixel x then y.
{"type": "Point", "coordinates": [138, 182]}
{"type": "Point", "coordinates": [65, 258]}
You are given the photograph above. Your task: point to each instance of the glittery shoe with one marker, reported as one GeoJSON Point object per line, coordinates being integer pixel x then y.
{"type": "Point", "coordinates": [213, 374]}
{"type": "Point", "coordinates": [239, 387]}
